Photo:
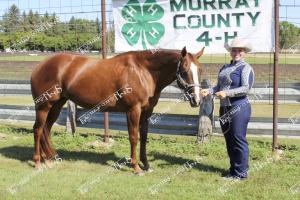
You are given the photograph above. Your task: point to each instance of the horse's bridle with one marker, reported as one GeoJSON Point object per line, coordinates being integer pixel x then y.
{"type": "Point", "coordinates": [181, 82]}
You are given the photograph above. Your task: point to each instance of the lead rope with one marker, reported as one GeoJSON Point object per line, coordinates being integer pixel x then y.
{"type": "Point", "coordinates": [205, 122]}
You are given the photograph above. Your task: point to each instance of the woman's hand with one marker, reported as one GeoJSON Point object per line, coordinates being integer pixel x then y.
{"type": "Point", "coordinates": [221, 94]}
{"type": "Point", "coordinates": [204, 92]}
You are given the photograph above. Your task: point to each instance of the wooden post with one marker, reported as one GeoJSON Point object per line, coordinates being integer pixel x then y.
{"type": "Point", "coordinates": [71, 117]}
{"type": "Point", "coordinates": [103, 20]}
{"type": "Point", "coordinates": [275, 80]}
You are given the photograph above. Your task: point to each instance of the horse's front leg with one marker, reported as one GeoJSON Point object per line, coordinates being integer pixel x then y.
{"type": "Point", "coordinates": [133, 120]}
{"type": "Point", "coordinates": [144, 123]}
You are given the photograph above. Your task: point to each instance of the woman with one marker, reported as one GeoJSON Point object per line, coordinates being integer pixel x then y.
{"type": "Point", "coordinates": [234, 83]}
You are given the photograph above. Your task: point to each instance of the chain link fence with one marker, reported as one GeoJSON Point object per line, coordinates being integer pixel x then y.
{"type": "Point", "coordinates": [30, 30]}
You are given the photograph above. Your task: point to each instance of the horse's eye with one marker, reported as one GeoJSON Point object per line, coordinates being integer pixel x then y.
{"type": "Point", "coordinates": [184, 73]}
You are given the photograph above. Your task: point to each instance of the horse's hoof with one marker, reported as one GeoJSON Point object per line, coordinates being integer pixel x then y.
{"type": "Point", "coordinates": [38, 167]}
{"type": "Point", "coordinates": [145, 167]}
{"type": "Point", "coordinates": [139, 173]}
{"type": "Point", "coordinates": [49, 163]}
{"type": "Point", "coordinates": [149, 170]}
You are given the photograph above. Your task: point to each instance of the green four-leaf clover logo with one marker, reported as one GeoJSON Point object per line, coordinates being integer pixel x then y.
{"type": "Point", "coordinates": [142, 22]}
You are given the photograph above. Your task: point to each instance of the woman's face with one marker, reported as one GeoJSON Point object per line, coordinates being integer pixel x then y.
{"type": "Point", "coordinates": [237, 54]}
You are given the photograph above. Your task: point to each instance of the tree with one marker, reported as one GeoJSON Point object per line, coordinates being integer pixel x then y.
{"type": "Point", "coordinates": [32, 31]}
{"type": "Point", "coordinates": [37, 18]}
{"type": "Point", "coordinates": [24, 22]}
{"type": "Point", "coordinates": [31, 20]}
{"type": "Point", "coordinates": [55, 26]}
{"type": "Point", "coordinates": [11, 20]}
{"type": "Point", "coordinates": [72, 25]}
{"type": "Point", "coordinates": [46, 17]}
{"type": "Point", "coordinates": [98, 26]}
{"type": "Point", "coordinates": [289, 35]}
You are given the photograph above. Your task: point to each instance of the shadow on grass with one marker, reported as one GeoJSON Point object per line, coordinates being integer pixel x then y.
{"type": "Point", "coordinates": [25, 154]}
{"type": "Point", "coordinates": [19, 129]}
{"type": "Point", "coordinates": [22, 130]}
{"type": "Point", "coordinates": [174, 160]}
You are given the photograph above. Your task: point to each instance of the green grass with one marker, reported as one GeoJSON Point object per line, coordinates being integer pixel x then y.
{"type": "Point", "coordinates": [17, 100]}
{"type": "Point", "coordinates": [33, 58]}
{"type": "Point", "coordinates": [22, 58]}
{"type": "Point", "coordinates": [16, 67]}
{"type": "Point", "coordinates": [258, 109]}
{"type": "Point", "coordinates": [252, 58]}
{"type": "Point", "coordinates": [81, 164]}
{"type": "Point", "coordinates": [17, 73]}
{"type": "Point", "coordinates": [208, 58]}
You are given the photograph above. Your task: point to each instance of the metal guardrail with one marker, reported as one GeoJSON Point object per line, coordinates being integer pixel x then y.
{"type": "Point", "coordinates": [168, 124]}
{"type": "Point", "coordinates": [172, 124]}
{"type": "Point", "coordinates": [291, 94]}
{"type": "Point", "coordinates": [256, 85]}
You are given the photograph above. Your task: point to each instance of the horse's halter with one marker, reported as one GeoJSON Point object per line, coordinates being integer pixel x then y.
{"type": "Point", "coordinates": [181, 82]}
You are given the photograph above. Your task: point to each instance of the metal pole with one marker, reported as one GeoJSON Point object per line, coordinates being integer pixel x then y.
{"type": "Point", "coordinates": [103, 19]}
{"type": "Point", "coordinates": [275, 80]}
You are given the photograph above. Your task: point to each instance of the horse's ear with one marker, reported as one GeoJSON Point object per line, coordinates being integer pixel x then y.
{"type": "Point", "coordinates": [200, 53]}
{"type": "Point", "coordinates": [183, 52]}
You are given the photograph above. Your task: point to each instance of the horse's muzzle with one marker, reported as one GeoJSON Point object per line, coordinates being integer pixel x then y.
{"type": "Point", "coordinates": [194, 103]}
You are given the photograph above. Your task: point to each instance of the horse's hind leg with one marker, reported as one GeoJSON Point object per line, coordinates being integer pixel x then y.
{"type": "Point", "coordinates": [38, 128]}
{"type": "Point", "coordinates": [45, 118]}
{"type": "Point", "coordinates": [51, 119]}
{"type": "Point", "coordinates": [133, 118]}
{"type": "Point", "coordinates": [144, 123]}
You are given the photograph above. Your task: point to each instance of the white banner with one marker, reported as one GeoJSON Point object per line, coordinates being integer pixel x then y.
{"type": "Point", "coordinates": [173, 24]}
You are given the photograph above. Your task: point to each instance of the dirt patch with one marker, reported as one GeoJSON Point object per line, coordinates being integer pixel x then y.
{"type": "Point", "coordinates": [100, 144]}
{"type": "Point", "coordinates": [3, 136]}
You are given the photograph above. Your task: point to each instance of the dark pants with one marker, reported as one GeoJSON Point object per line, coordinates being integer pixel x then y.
{"type": "Point", "coordinates": [234, 130]}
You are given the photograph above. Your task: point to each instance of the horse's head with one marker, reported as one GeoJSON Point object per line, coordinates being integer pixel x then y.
{"type": "Point", "coordinates": [188, 75]}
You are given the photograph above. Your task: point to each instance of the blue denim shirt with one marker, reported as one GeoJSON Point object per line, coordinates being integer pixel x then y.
{"type": "Point", "coordinates": [236, 79]}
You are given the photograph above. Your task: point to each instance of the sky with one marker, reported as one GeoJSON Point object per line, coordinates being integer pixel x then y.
{"type": "Point", "coordinates": [90, 9]}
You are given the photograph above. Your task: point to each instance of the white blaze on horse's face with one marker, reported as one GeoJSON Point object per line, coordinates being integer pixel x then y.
{"type": "Point", "coordinates": [194, 70]}
{"type": "Point", "coordinates": [189, 70]}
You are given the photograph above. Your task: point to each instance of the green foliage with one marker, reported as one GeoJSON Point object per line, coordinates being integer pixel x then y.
{"type": "Point", "coordinates": [289, 35]}
{"type": "Point", "coordinates": [32, 31]}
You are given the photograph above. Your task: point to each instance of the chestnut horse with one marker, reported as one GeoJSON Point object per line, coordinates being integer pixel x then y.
{"type": "Point", "coordinates": [87, 81]}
